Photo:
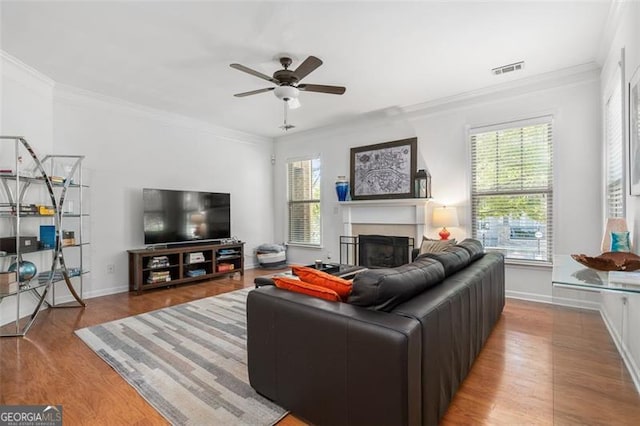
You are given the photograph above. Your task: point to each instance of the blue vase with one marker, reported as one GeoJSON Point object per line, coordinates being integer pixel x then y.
{"type": "Point", "coordinates": [27, 270]}
{"type": "Point", "coordinates": [342, 188]}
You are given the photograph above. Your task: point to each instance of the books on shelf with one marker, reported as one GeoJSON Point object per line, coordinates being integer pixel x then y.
{"type": "Point", "coordinates": [228, 256]}
{"type": "Point", "coordinates": [228, 251]}
{"type": "Point", "coordinates": [196, 257]}
{"type": "Point", "coordinates": [159, 277]}
{"type": "Point", "coordinates": [196, 272]}
{"type": "Point", "coordinates": [224, 267]}
{"type": "Point", "coordinates": [57, 274]}
{"type": "Point", "coordinates": [621, 277]}
{"type": "Point", "coordinates": [158, 262]}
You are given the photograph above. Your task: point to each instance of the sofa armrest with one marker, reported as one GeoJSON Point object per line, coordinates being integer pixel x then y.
{"type": "Point", "coordinates": [414, 253]}
{"type": "Point", "coordinates": [333, 363]}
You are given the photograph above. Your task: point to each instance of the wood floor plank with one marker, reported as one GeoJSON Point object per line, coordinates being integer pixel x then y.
{"type": "Point", "coordinates": [541, 365]}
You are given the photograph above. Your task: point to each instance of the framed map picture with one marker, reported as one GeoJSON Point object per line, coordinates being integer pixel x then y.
{"type": "Point", "coordinates": [384, 170]}
{"type": "Point", "coordinates": [634, 133]}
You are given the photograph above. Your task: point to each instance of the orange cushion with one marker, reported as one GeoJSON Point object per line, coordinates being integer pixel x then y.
{"type": "Point", "coordinates": [298, 286]}
{"type": "Point", "coordinates": [322, 279]}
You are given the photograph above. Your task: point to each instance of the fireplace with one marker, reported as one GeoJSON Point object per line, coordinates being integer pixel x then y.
{"type": "Point", "coordinates": [375, 251]}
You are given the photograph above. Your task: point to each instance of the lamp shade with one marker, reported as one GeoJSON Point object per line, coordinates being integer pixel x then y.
{"type": "Point", "coordinates": [445, 216]}
{"type": "Point", "coordinates": [614, 224]}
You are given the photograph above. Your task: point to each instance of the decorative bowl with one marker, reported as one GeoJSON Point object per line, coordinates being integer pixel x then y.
{"type": "Point", "coordinates": [610, 261]}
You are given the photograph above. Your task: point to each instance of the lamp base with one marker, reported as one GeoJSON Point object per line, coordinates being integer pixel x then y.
{"type": "Point", "coordinates": [444, 234]}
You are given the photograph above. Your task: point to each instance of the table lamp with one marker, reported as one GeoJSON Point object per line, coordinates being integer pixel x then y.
{"type": "Point", "coordinates": [445, 216]}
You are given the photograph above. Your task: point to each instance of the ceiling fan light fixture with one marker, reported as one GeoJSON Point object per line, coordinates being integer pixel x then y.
{"type": "Point", "coordinates": [286, 93]}
{"type": "Point", "coordinates": [293, 103]}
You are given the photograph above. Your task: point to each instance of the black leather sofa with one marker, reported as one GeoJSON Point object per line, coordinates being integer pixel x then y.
{"type": "Point", "coordinates": [381, 359]}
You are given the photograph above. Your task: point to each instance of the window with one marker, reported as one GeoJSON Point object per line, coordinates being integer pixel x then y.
{"type": "Point", "coordinates": [303, 187]}
{"type": "Point", "coordinates": [613, 139]}
{"type": "Point", "coordinates": [512, 188]}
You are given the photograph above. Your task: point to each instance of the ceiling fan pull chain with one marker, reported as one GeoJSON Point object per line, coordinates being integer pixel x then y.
{"type": "Point", "coordinates": [286, 126]}
{"type": "Point", "coordinates": [285, 115]}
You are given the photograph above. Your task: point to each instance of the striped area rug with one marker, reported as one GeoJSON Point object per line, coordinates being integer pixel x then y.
{"type": "Point", "coordinates": [189, 361]}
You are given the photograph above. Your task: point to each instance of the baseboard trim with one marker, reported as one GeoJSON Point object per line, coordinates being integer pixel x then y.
{"type": "Point", "coordinates": [529, 297]}
{"type": "Point", "coordinates": [624, 352]}
{"type": "Point", "coordinates": [559, 301]}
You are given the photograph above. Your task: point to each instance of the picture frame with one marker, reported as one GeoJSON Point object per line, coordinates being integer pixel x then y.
{"type": "Point", "coordinates": [634, 133]}
{"type": "Point", "coordinates": [384, 170]}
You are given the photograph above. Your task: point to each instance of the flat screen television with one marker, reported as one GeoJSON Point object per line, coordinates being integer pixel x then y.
{"type": "Point", "coordinates": [172, 217]}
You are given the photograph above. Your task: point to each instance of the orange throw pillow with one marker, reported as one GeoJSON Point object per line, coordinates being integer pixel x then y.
{"type": "Point", "coordinates": [298, 286]}
{"type": "Point", "coordinates": [322, 279]}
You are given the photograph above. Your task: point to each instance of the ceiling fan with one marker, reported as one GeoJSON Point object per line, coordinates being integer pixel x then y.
{"type": "Point", "coordinates": [287, 82]}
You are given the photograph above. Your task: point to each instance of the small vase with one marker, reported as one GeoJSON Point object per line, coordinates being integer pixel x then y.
{"type": "Point", "coordinates": [342, 188]}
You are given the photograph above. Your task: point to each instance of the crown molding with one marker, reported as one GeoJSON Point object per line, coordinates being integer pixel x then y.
{"type": "Point", "coordinates": [17, 70]}
{"type": "Point", "coordinates": [616, 11]}
{"type": "Point", "coordinates": [578, 74]}
{"type": "Point", "coordinates": [401, 115]}
{"type": "Point", "coordinates": [77, 95]}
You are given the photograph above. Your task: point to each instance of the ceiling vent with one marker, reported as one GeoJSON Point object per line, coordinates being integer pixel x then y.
{"type": "Point", "coordinates": [508, 68]}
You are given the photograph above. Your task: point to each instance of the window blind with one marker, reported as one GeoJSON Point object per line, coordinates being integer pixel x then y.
{"type": "Point", "coordinates": [303, 188]}
{"type": "Point", "coordinates": [615, 161]}
{"type": "Point", "coordinates": [512, 188]}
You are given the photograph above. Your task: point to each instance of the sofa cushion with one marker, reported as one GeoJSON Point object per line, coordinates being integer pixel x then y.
{"type": "Point", "coordinates": [452, 259]}
{"type": "Point", "coordinates": [323, 279]}
{"type": "Point", "coordinates": [385, 288]}
{"type": "Point", "coordinates": [293, 284]}
{"type": "Point", "coordinates": [435, 246]}
{"type": "Point", "coordinates": [474, 247]}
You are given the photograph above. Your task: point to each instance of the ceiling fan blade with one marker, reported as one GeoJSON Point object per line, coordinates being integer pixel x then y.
{"type": "Point", "coordinates": [254, 73]}
{"type": "Point", "coordinates": [253, 92]}
{"type": "Point", "coordinates": [305, 68]}
{"type": "Point", "coordinates": [334, 90]}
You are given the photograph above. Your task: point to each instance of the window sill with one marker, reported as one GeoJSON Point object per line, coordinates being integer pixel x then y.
{"type": "Point", "coordinates": [528, 263]}
{"type": "Point", "coordinates": [301, 245]}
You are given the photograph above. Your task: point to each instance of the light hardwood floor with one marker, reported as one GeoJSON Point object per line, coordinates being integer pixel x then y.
{"type": "Point", "coordinates": [541, 365]}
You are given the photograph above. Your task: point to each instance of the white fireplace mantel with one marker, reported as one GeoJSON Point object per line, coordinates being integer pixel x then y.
{"type": "Point", "coordinates": [411, 211]}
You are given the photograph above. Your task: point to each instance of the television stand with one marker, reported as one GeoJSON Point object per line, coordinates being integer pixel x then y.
{"type": "Point", "coordinates": [162, 267]}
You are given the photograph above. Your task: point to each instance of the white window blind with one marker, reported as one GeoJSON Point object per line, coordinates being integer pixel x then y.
{"type": "Point", "coordinates": [615, 160]}
{"type": "Point", "coordinates": [512, 188]}
{"type": "Point", "coordinates": [303, 187]}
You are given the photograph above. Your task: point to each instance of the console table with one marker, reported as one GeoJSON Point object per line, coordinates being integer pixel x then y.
{"type": "Point", "coordinates": [569, 274]}
{"type": "Point", "coordinates": [162, 267]}
{"type": "Point", "coordinates": [578, 327]}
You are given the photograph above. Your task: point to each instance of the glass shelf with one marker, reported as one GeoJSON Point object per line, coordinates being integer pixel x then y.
{"type": "Point", "coordinates": [40, 250]}
{"type": "Point", "coordinates": [40, 180]}
{"type": "Point", "coordinates": [25, 215]}
{"type": "Point", "coordinates": [42, 281]}
{"type": "Point", "coordinates": [25, 286]}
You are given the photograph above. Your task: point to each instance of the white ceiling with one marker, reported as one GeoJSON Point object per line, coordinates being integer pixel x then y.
{"type": "Point", "coordinates": [175, 55]}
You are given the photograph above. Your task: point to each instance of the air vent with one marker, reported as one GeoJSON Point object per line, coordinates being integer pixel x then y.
{"type": "Point", "coordinates": [508, 68]}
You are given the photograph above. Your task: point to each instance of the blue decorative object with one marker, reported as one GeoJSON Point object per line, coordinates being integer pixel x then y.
{"type": "Point", "coordinates": [27, 270]}
{"type": "Point", "coordinates": [342, 188]}
{"type": "Point", "coordinates": [48, 236]}
{"type": "Point", "coordinates": [620, 241]}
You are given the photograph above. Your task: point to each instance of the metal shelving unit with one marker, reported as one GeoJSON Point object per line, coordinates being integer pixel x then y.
{"type": "Point", "coordinates": [58, 174]}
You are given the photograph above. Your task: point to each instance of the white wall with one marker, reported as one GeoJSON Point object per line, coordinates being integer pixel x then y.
{"type": "Point", "coordinates": [26, 99]}
{"type": "Point", "coordinates": [572, 96]}
{"type": "Point", "coordinates": [623, 311]}
{"type": "Point", "coordinates": [128, 147]}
